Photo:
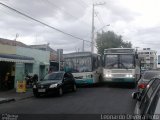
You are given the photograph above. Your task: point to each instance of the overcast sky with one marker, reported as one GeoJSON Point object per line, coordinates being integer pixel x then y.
{"type": "Point", "coordinates": [137, 21]}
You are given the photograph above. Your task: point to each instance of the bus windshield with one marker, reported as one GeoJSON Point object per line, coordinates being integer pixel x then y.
{"type": "Point", "coordinates": [121, 61]}
{"type": "Point", "coordinates": [78, 64]}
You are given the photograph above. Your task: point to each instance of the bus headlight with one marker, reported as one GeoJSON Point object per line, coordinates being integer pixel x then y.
{"type": "Point", "coordinates": [108, 75]}
{"type": "Point", "coordinates": [129, 76]}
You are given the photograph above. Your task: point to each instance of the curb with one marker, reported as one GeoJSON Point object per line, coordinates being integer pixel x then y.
{"type": "Point", "coordinates": [24, 98]}
{"type": "Point", "coordinates": [7, 100]}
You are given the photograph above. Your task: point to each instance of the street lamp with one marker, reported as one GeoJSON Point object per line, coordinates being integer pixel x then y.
{"type": "Point", "coordinates": [102, 28]}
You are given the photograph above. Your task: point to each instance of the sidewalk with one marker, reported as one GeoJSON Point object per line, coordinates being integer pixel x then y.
{"type": "Point", "coordinates": [12, 95]}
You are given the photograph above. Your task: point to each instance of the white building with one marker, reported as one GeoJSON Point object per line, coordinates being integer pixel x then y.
{"type": "Point", "coordinates": [158, 66]}
{"type": "Point", "coordinates": [148, 58]}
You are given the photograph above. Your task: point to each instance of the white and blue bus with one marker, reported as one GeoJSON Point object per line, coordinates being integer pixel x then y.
{"type": "Point", "coordinates": [85, 66]}
{"type": "Point", "coordinates": [121, 65]}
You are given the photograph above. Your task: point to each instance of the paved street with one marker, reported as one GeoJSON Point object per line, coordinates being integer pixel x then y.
{"type": "Point", "coordinates": [86, 100]}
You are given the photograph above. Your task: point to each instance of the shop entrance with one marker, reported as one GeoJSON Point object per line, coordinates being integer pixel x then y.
{"type": "Point", "coordinates": [41, 71]}
{"type": "Point", "coordinates": [7, 75]}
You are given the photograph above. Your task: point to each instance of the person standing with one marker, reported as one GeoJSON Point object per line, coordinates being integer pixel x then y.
{"type": "Point", "coordinates": [35, 78]}
{"type": "Point", "coordinates": [6, 80]}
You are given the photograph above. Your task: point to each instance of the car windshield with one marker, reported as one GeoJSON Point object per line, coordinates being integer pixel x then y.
{"type": "Point", "coordinates": [54, 76]}
{"type": "Point", "coordinates": [149, 75]}
{"type": "Point", "coordinates": [119, 61]}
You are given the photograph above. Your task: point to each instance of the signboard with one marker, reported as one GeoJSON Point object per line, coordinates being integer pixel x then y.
{"type": "Point", "coordinates": [59, 57]}
{"type": "Point", "coordinates": [77, 54]}
{"type": "Point", "coordinates": [59, 54]}
{"type": "Point", "coordinates": [21, 86]}
{"type": "Point", "coordinates": [119, 50]}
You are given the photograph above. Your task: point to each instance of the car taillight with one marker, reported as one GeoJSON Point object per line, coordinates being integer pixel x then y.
{"type": "Point", "coordinates": [142, 85]}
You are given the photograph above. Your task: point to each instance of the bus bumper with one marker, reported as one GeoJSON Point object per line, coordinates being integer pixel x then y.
{"type": "Point", "coordinates": [84, 81]}
{"type": "Point", "coordinates": [119, 80]}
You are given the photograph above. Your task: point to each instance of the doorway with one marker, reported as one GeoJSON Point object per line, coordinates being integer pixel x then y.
{"type": "Point", "coordinates": [7, 75]}
{"type": "Point", "coordinates": [42, 71]}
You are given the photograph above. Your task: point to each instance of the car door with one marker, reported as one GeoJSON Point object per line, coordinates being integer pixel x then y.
{"type": "Point", "coordinates": [66, 82]}
{"type": "Point", "coordinates": [148, 95]}
{"type": "Point", "coordinates": [154, 107]}
{"type": "Point", "coordinates": [71, 80]}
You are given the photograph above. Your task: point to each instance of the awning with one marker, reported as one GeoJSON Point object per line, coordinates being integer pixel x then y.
{"type": "Point", "coordinates": [16, 58]}
{"type": "Point", "coordinates": [44, 63]}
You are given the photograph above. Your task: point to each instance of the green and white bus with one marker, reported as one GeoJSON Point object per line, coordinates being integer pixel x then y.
{"type": "Point", "coordinates": [85, 66]}
{"type": "Point", "coordinates": [121, 65]}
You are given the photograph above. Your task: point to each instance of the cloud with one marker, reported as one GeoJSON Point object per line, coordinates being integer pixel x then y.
{"type": "Point", "coordinates": [133, 20]}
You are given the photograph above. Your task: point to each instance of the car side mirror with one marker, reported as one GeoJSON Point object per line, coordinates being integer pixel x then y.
{"type": "Point", "coordinates": [136, 96]}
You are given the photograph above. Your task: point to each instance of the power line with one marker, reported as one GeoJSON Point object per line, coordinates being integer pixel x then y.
{"type": "Point", "coordinates": [52, 4]}
{"type": "Point", "coordinates": [99, 19]}
{"type": "Point", "coordinates": [42, 22]}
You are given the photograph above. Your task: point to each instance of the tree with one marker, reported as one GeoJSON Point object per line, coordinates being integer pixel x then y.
{"type": "Point", "coordinates": [109, 39]}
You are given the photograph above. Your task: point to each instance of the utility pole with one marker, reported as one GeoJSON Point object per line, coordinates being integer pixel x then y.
{"type": "Point", "coordinates": [137, 49]}
{"type": "Point", "coordinates": [59, 61]}
{"type": "Point", "coordinates": [92, 43]}
{"type": "Point", "coordinates": [59, 53]}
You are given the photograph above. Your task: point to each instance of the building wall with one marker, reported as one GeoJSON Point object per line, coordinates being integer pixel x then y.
{"type": "Point", "coordinates": [158, 62]}
{"type": "Point", "coordinates": [6, 49]}
{"type": "Point", "coordinates": [41, 59]}
{"type": "Point", "coordinates": [19, 72]}
{"type": "Point", "coordinates": [148, 58]}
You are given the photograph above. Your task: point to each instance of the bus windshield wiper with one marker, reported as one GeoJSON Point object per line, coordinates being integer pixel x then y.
{"type": "Point", "coordinates": [123, 65]}
{"type": "Point", "coordinates": [111, 65]}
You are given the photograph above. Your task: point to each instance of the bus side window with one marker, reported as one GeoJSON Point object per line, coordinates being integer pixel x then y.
{"type": "Point", "coordinates": [99, 61]}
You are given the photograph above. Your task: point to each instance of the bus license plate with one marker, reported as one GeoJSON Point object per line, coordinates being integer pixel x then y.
{"type": "Point", "coordinates": [41, 90]}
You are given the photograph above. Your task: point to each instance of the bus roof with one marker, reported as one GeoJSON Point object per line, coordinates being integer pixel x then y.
{"type": "Point", "coordinates": [78, 54]}
{"type": "Point", "coordinates": [119, 50]}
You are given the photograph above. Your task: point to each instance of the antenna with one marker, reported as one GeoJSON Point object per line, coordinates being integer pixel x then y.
{"type": "Point", "coordinates": [17, 35]}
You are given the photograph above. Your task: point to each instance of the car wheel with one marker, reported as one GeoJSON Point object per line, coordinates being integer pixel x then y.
{"type": "Point", "coordinates": [60, 92]}
{"type": "Point", "coordinates": [74, 88]}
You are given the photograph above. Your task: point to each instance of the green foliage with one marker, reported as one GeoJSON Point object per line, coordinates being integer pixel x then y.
{"type": "Point", "coordinates": [109, 39]}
